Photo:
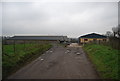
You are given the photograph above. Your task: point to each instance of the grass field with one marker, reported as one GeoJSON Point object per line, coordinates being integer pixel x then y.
{"type": "Point", "coordinates": [105, 60]}
{"type": "Point", "coordinates": [12, 60]}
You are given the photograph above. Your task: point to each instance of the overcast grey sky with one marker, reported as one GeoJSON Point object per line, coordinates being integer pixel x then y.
{"type": "Point", "coordinates": [58, 18]}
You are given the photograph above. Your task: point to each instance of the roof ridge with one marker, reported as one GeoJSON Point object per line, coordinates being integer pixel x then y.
{"type": "Point", "coordinates": [93, 35]}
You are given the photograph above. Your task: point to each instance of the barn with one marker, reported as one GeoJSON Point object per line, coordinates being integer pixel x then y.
{"type": "Point", "coordinates": [93, 37]}
{"type": "Point", "coordinates": [28, 39]}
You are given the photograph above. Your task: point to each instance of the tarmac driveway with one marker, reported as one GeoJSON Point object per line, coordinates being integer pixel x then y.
{"type": "Point", "coordinates": [58, 63]}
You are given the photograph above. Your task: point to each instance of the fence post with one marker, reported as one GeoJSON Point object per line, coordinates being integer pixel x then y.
{"type": "Point", "coordinates": [2, 45]}
{"type": "Point", "coordinates": [14, 46]}
{"type": "Point", "coordinates": [24, 45]}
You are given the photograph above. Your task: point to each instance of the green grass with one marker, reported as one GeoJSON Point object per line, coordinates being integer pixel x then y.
{"type": "Point", "coordinates": [105, 59]}
{"type": "Point", "coordinates": [13, 60]}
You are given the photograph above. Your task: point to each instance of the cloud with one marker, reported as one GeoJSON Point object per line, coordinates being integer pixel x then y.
{"type": "Point", "coordinates": [58, 18]}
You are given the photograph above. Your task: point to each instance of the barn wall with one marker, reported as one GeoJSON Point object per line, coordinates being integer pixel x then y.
{"type": "Point", "coordinates": [29, 41]}
{"type": "Point", "coordinates": [92, 39]}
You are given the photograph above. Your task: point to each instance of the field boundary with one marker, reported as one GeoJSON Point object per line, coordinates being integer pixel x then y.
{"type": "Point", "coordinates": [25, 60]}
{"type": "Point", "coordinates": [90, 60]}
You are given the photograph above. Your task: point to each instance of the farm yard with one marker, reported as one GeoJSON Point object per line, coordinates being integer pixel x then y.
{"type": "Point", "coordinates": [63, 39]}
{"type": "Point", "coordinates": [93, 57]}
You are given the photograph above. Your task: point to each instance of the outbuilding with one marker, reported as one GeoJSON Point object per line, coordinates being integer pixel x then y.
{"type": "Point", "coordinates": [40, 39]}
{"type": "Point", "coordinates": [93, 37]}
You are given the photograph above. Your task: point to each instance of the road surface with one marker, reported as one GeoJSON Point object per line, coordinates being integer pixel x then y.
{"type": "Point", "coordinates": [58, 63]}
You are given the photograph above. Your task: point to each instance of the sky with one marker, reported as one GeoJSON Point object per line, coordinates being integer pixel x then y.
{"type": "Point", "coordinates": [72, 19]}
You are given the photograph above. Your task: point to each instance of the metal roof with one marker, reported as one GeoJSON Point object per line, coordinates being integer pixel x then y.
{"type": "Point", "coordinates": [93, 35]}
{"type": "Point", "coordinates": [61, 38]}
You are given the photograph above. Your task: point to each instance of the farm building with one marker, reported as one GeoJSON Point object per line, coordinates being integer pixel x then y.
{"type": "Point", "coordinates": [22, 39]}
{"type": "Point", "coordinates": [93, 37]}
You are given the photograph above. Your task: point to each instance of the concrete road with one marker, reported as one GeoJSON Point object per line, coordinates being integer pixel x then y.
{"type": "Point", "coordinates": [58, 63]}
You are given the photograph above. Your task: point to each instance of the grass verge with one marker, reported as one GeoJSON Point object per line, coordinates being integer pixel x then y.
{"type": "Point", "coordinates": [105, 60]}
{"type": "Point", "coordinates": [24, 53]}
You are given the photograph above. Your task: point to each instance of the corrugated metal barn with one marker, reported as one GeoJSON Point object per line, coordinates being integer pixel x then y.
{"type": "Point", "coordinates": [21, 39]}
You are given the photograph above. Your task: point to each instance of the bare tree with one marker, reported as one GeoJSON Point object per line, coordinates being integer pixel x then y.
{"type": "Point", "coordinates": [119, 30]}
{"type": "Point", "coordinates": [109, 33]}
{"type": "Point", "coordinates": [114, 29]}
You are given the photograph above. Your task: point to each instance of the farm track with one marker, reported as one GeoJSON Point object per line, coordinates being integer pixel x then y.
{"type": "Point", "coordinates": [58, 63]}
